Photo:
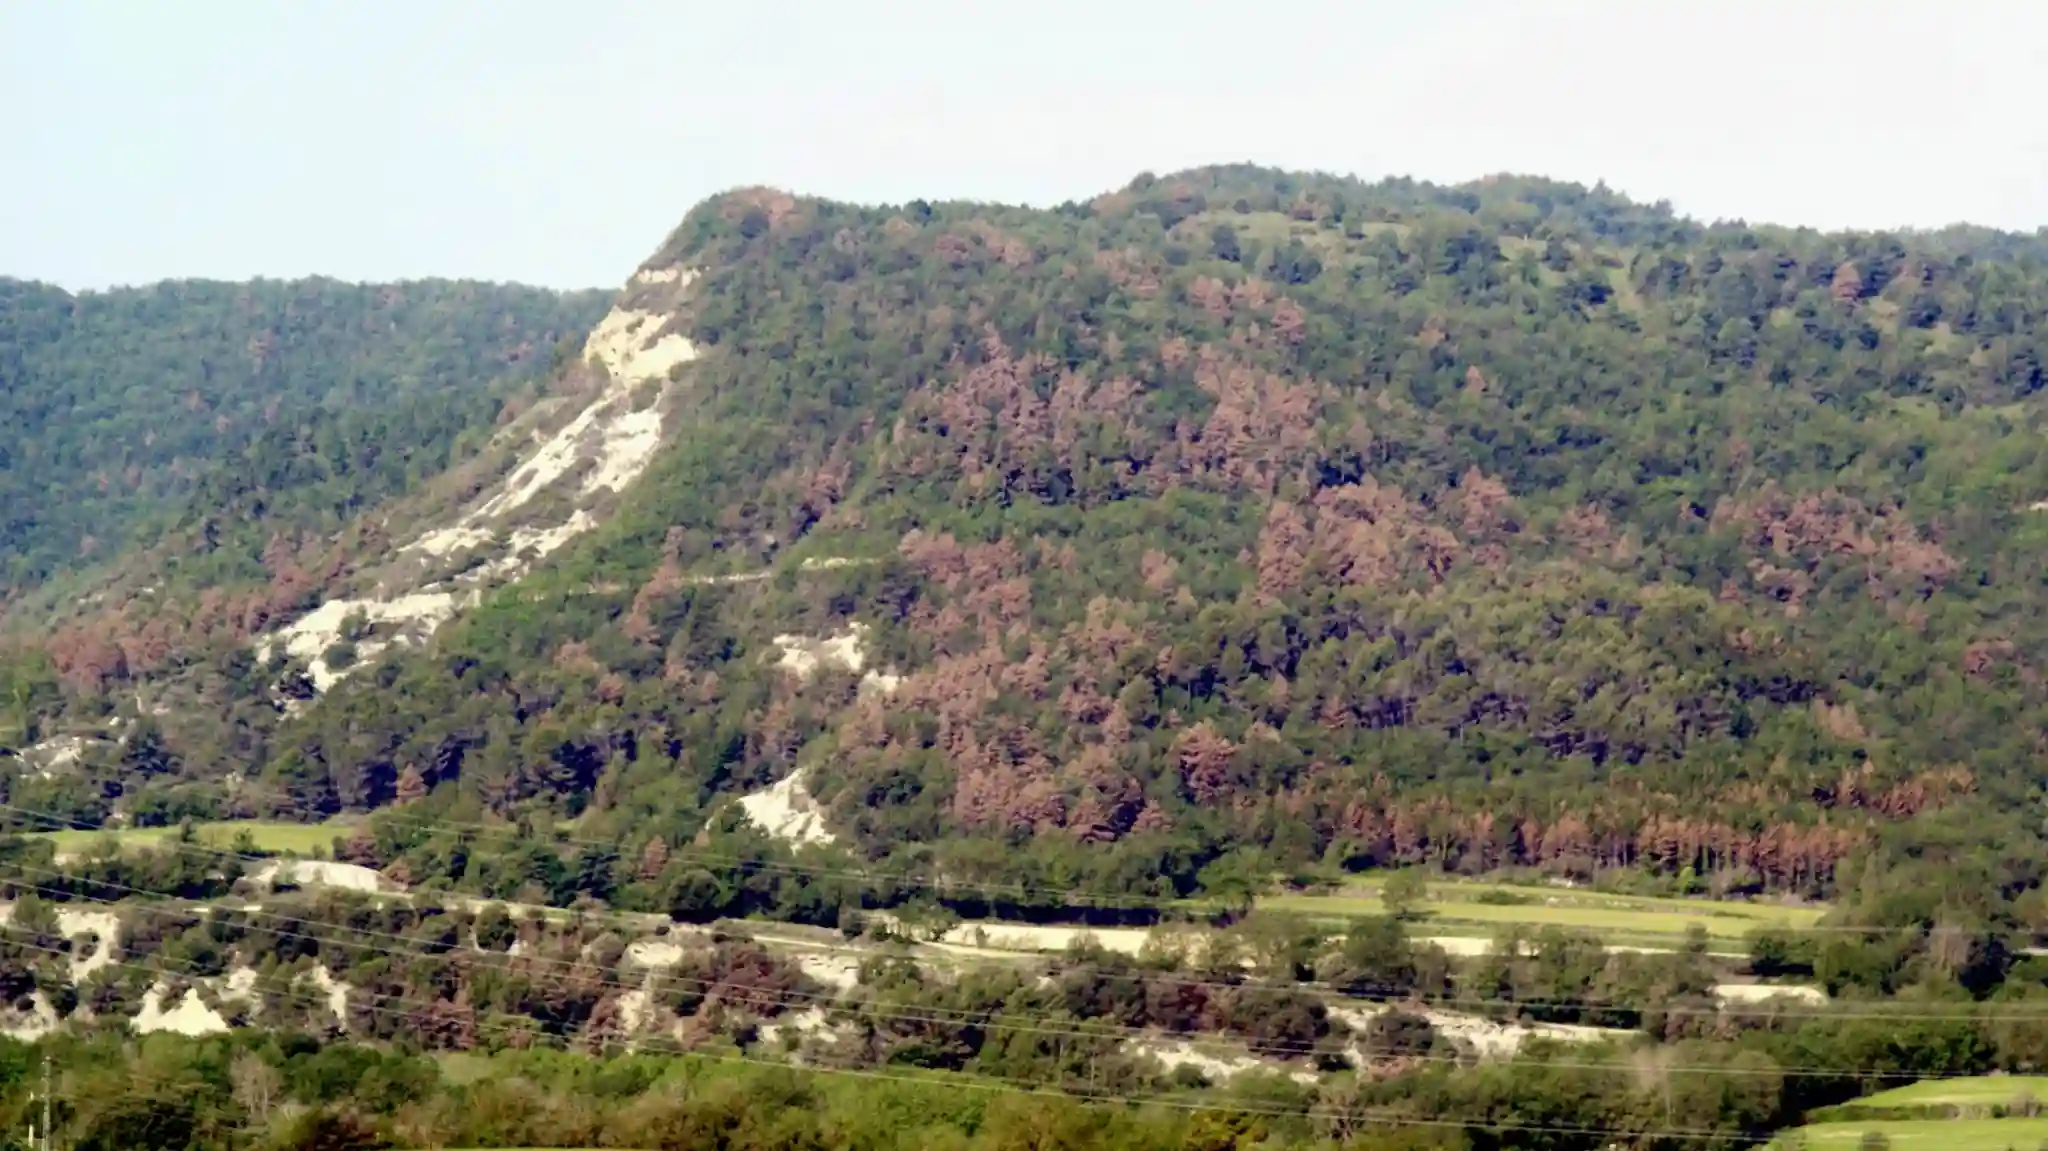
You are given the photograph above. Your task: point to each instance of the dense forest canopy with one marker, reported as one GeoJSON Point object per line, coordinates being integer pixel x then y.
{"type": "Point", "coordinates": [119, 407]}
{"type": "Point", "coordinates": [1119, 563]}
{"type": "Point", "coordinates": [1240, 520]}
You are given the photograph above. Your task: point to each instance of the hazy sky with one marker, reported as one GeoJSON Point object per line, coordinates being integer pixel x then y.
{"type": "Point", "coordinates": [556, 142]}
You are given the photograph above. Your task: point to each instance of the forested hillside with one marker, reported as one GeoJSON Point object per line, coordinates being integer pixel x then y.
{"type": "Point", "coordinates": [783, 665]}
{"type": "Point", "coordinates": [1236, 521]}
{"type": "Point", "coordinates": [124, 412]}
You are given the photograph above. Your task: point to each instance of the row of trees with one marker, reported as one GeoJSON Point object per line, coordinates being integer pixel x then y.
{"type": "Point", "coordinates": [287, 1090]}
{"type": "Point", "coordinates": [1894, 935]}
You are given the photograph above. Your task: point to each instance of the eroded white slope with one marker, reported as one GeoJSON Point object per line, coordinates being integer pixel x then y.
{"type": "Point", "coordinates": [189, 1016]}
{"type": "Point", "coordinates": [321, 873]}
{"type": "Point", "coordinates": [612, 439]}
{"type": "Point", "coordinates": [785, 809]}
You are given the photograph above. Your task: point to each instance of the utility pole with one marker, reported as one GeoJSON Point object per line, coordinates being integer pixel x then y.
{"type": "Point", "coordinates": [46, 1101]}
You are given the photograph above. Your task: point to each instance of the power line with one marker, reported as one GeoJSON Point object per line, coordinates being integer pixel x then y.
{"type": "Point", "coordinates": [999, 1084]}
{"type": "Point", "coordinates": [1164, 977]}
{"type": "Point", "coordinates": [963, 1018]}
{"type": "Point", "coordinates": [1765, 1011]}
{"type": "Point", "coordinates": [792, 999]}
{"type": "Point", "coordinates": [781, 999]}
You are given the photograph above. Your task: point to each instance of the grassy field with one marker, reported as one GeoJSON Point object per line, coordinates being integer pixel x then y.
{"type": "Point", "coordinates": [1977, 1091]}
{"type": "Point", "coordinates": [1905, 1134]}
{"type": "Point", "coordinates": [1452, 909]}
{"type": "Point", "coordinates": [296, 838]}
